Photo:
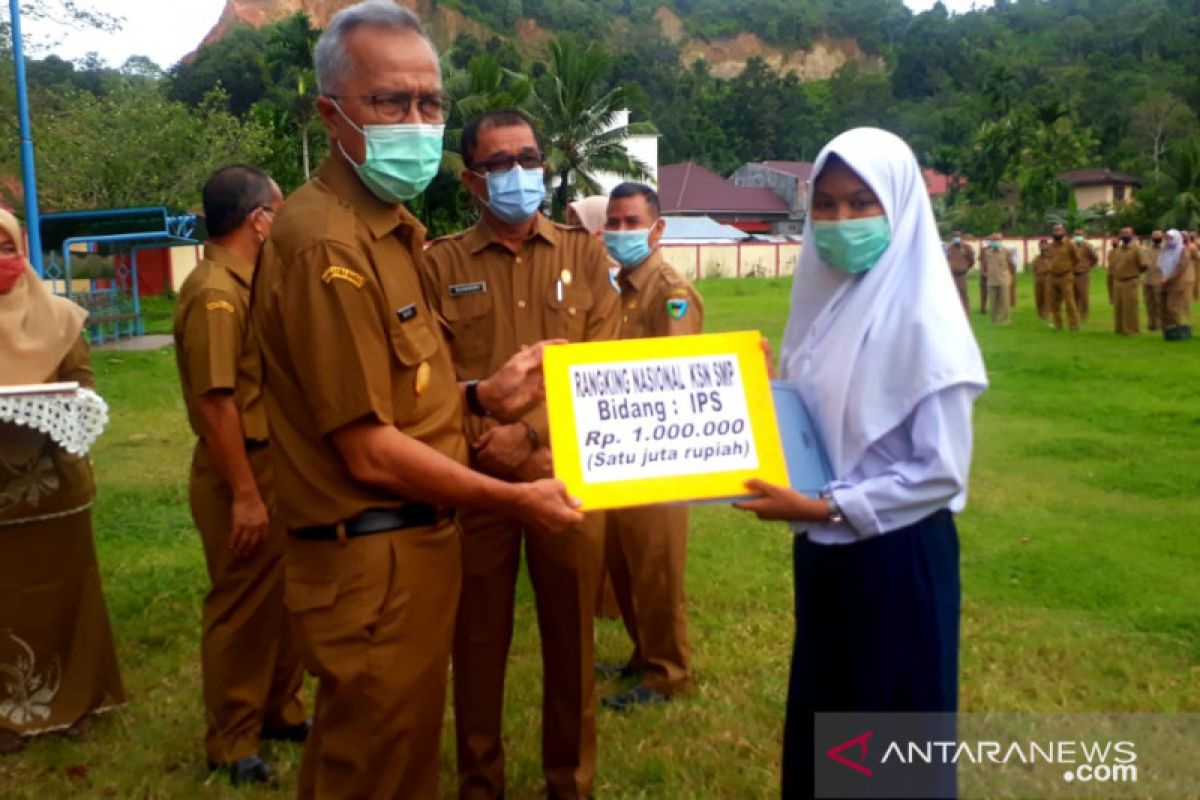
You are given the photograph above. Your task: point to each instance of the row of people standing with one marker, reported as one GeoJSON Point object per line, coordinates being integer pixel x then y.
{"type": "Point", "coordinates": [387, 395]}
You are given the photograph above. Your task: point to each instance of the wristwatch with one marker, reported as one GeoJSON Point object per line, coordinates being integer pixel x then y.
{"type": "Point", "coordinates": [836, 517]}
{"type": "Point", "coordinates": [473, 404]}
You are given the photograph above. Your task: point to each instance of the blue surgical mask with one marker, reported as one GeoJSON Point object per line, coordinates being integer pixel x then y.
{"type": "Point", "coordinates": [516, 194]}
{"type": "Point", "coordinates": [852, 245]}
{"type": "Point", "coordinates": [401, 160]}
{"type": "Point", "coordinates": [628, 248]}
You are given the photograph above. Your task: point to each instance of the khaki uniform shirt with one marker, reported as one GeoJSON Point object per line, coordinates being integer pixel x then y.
{"type": "Point", "coordinates": [961, 258]}
{"type": "Point", "coordinates": [996, 265]}
{"type": "Point", "coordinates": [347, 336]}
{"type": "Point", "coordinates": [495, 301]}
{"type": "Point", "coordinates": [1063, 257]}
{"type": "Point", "coordinates": [1126, 262]}
{"type": "Point", "coordinates": [1153, 275]}
{"type": "Point", "coordinates": [1041, 265]}
{"type": "Point", "coordinates": [215, 349]}
{"type": "Point", "coordinates": [658, 301]}
{"type": "Point", "coordinates": [1087, 257]}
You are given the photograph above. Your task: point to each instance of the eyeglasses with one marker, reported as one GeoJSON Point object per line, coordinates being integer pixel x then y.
{"type": "Point", "coordinates": [503, 162]}
{"type": "Point", "coordinates": [395, 106]}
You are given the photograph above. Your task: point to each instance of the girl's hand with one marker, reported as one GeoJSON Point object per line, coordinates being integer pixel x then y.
{"type": "Point", "coordinates": [783, 503]}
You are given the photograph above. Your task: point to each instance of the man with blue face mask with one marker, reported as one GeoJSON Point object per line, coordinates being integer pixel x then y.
{"type": "Point", "coordinates": [510, 279]}
{"type": "Point", "coordinates": [366, 419]}
{"type": "Point", "coordinates": [645, 548]}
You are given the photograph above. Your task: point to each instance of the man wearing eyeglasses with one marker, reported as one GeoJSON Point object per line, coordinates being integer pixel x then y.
{"type": "Point", "coordinates": [249, 667]}
{"type": "Point", "coordinates": [513, 278]}
{"type": "Point", "coordinates": [366, 418]}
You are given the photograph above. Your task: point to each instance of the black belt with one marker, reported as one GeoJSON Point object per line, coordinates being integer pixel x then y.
{"type": "Point", "coordinates": [256, 444]}
{"type": "Point", "coordinates": [378, 520]}
{"type": "Point", "coordinates": [959, 274]}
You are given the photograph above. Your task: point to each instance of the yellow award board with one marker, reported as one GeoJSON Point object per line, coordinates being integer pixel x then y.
{"type": "Point", "coordinates": [642, 421]}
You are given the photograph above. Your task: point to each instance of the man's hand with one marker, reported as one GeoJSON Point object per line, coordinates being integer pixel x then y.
{"type": "Point", "coordinates": [538, 465]}
{"type": "Point", "coordinates": [546, 505]}
{"type": "Point", "coordinates": [248, 524]}
{"type": "Point", "coordinates": [500, 450]}
{"type": "Point", "coordinates": [783, 503]}
{"type": "Point", "coordinates": [517, 386]}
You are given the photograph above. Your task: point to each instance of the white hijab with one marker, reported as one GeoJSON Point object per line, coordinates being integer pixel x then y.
{"type": "Point", "coordinates": [864, 350]}
{"type": "Point", "coordinates": [1168, 259]}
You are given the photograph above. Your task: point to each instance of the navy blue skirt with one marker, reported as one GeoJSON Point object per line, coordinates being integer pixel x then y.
{"type": "Point", "coordinates": [876, 631]}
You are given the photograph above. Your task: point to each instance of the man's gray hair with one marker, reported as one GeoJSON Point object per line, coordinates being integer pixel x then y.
{"type": "Point", "coordinates": [332, 63]}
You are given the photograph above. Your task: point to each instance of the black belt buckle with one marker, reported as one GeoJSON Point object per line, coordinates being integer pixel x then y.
{"type": "Point", "coordinates": [378, 520]}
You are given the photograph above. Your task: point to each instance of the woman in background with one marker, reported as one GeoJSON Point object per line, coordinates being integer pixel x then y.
{"type": "Point", "coordinates": [879, 350]}
{"type": "Point", "coordinates": [57, 662]}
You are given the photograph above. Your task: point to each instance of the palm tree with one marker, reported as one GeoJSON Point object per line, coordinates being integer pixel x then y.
{"type": "Point", "coordinates": [289, 58]}
{"type": "Point", "coordinates": [483, 85]}
{"type": "Point", "coordinates": [1183, 186]}
{"type": "Point", "coordinates": [577, 110]}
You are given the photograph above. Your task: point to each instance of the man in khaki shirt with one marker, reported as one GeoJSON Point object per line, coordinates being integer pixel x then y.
{"type": "Point", "coordinates": [1064, 261]}
{"type": "Point", "coordinates": [1125, 264]}
{"type": "Point", "coordinates": [250, 669]}
{"type": "Point", "coordinates": [961, 258]}
{"type": "Point", "coordinates": [366, 419]}
{"type": "Point", "coordinates": [513, 278]}
{"type": "Point", "coordinates": [646, 547]}
{"type": "Point", "coordinates": [1041, 280]}
{"type": "Point", "coordinates": [1152, 280]}
{"type": "Point", "coordinates": [1088, 259]}
{"type": "Point", "coordinates": [997, 266]}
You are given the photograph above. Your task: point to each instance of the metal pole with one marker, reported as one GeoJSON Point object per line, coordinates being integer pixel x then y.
{"type": "Point", "coordinates": [28, 174]}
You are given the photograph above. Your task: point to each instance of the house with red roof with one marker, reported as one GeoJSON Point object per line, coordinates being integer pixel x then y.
{"type": "Point", "coordinates": [690, 190]}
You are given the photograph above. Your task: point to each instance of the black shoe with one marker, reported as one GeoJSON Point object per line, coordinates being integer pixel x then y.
{"type": "Point", "coordinates": [288, 733]}
{"type": "Point", "coordinates": [610, 670]}
{"type": "Point", "coordinates": [637, 696]}
{"type": "Point", "coordinates": [252, 770]}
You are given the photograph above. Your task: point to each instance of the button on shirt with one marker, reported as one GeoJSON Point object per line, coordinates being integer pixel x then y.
{"type": "Point", "coordinates": [347, 336]}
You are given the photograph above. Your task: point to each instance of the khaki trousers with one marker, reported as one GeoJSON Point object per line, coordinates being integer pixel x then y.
{"type": "Point", "coordinates": [1041, 295]}
{"type": "Point", "coordinates": [999, 298]}
{"type": "Point", "coordinates": [1125, 306]}
{"type": "Point", "coordinates": [565, 572]}
{"type": "Point", "coordinates": [960, 283]}
{"type": "Point", "coordinates": [1083, 286]}
{"type": "Point", "coordinates": [249, 665]}
{"type": "Point", "coordinates": [983, 293]}
{"type": "Point", "coordinates": [376, 619]}
{"type": "Point", "coordinates": [1152, 295]}
{"type": "Point", "coordinates": [1062, 291]}
{"type": "Point", "coordinates": [646, 553]}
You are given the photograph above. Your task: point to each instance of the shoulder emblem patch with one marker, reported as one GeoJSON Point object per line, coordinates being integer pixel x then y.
{"type": "Point", "coordinates": [221, 305]}
{"type": "Point", "coordinates": [677, 307]}
{"type": "Point", "coordinates": [342, 274]}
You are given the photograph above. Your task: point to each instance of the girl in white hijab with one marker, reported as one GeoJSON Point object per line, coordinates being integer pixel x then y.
{"type": "Point", "coordinates": [886, 363]}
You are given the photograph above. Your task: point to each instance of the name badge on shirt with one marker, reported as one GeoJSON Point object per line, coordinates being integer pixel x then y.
{"type": "Point", "coordinates": [464, 289]}
{"type": "Point", "coordinates": [405, 313]}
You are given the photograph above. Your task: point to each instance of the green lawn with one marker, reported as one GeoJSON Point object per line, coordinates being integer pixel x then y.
{"type": "Point", "coordinates": [1081, 550]}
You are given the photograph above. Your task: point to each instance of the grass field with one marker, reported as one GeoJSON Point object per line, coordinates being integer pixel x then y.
{"type": "Point", "coordinates": [1080, 543]}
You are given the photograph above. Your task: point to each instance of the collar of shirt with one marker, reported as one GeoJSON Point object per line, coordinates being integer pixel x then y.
{"type": "Point", "coordinates": [637, 277]}
{"type": "Point", "coordinates": [379, 217]}
{"type": "Point", "coordinates": [481, 235]}
{"type": "Point", "coordinates": [239, 267]}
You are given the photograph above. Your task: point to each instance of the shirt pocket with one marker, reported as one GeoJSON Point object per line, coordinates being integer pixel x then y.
{"type": "Point", "coordinates": [473, 333]}
{"type": "Point", "coordinates": [413, 344]}
{"type": "Point", "coordinates": [566, 315]}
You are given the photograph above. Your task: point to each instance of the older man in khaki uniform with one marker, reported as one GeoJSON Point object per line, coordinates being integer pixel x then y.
{"type": "Point", "coordinates": [1125, 265]}
{"type": "Point", "coordinates": [250, 670]}
{"type": "Point", "coordinates": [1064, 261]}
{"type": "Point", "coordinates": [366, 419]}
{"type": "Point", "coordinates": [1152, 280]}
{"type": "Point", "coordinates": [509, 280]}
{"type": "Point", "coordinates": [961, 258]}
{"type": "Point", "coordinates": [1088, 259]}
{"type": "Point", "coordinates": [646, 548]}
{"type": "Point", "coordinates": [997, 264]}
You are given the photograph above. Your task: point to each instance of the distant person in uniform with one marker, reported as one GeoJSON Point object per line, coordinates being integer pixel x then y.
{"type": "Point", "coordinates": [889, 371]}
{"type": "Point", "coordinates": [1152, 280]}
{"type": "Point", "coordinates": [646, 547]}
{"type": "Point", "coordinates": [1088, 259]}
{"type": "Point", "coordinates": [961, 257]}
{"type": "Point", "coordinates": [1125, 265]}
{"type": "Point", "coordinates": [997, 263]}
{"type": "Point", "coordinates": [1041, 280]}
{"type": "Point", "coordinates": [1176, 267]}
{"type": "Point", "coordinates": [512, 278]}
{"type": "Point", "coordinates": [249, 666]}
{"type": "Point", "coordinates": [366, 418]}
{"type": "Point", "coordinates": [1064, 261]}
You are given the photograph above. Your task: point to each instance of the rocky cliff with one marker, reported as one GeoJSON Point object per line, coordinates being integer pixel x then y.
{"type": "Point", "coordinates": [727, 57]}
